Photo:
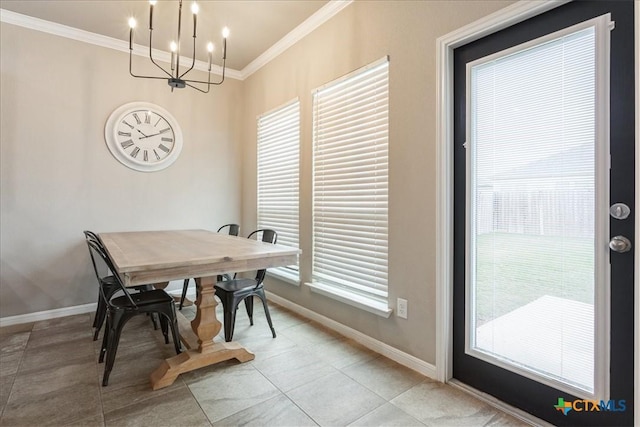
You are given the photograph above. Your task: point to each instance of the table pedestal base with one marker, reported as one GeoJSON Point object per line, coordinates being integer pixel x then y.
{"type": "Point", "coordinates": [189, 360]}
{"type": "Point", "coordinates": [197, 337]}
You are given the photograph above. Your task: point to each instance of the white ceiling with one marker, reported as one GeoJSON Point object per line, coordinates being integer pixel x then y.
{"type": "Point", "coordinates": [256, 25]}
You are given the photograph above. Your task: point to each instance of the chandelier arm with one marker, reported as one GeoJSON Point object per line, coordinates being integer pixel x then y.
{"type": "Point", "coordinates": [151, 55]}
{"type": "Point", "coordinates": [210, 83]}
{"type": "Point", "coordinates": [137, 76]}
{"type": "Point", "coordinates": [193, 61]}
{"type": "Point", "coordinates": [224, 67]}
{"type": "Point", "coordinates": [197, 88]}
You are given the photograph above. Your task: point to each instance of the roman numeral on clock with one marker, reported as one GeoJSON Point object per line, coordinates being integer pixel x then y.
{"type": "Point", "coordinates": [120, 133]}
{"type": "Point", "coordinates": [134, 152]}
{"type": "Point", "coordinates": [126, 144]}
{"type": "Point", "coordinates": [146, 156]}
{"type": "Point", "coordinates": [163, 148]}
{"type": "Point", "coordinates": [156, 153]}
{"type": "Point", "coordinates": [167, 139]}
{"type": "Point", "coordinates": [125, 122]}
{"type": "Point", "coordinates": [147, 118]}
{"type": "Point", "coordinates": [135, 116]}
{"type": "Point", "coordinates": [164, 130]}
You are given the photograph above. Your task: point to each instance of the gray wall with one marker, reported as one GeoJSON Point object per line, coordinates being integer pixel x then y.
{"type": "Point", "coordinates": [58, 177]}
{"type": "Point", "coordinates": [362, 33]}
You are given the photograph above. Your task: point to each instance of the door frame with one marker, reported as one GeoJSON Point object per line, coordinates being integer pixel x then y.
{"type": "Point", "coordinates": [513, 14]}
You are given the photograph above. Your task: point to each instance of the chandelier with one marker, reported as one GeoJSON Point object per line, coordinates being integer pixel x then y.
{"type": "Point", "coordinates": [175, 79]}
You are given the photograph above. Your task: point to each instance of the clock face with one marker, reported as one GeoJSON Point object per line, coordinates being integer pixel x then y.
{"type": "Point", "coordinates": [143, 136]}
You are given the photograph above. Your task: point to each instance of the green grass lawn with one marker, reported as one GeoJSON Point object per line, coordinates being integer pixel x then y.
{"type": "Point", "coordinates": [516, 269]}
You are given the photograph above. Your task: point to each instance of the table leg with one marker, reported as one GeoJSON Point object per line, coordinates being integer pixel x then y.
{"type": "Point", "coordinates": [206, 326]}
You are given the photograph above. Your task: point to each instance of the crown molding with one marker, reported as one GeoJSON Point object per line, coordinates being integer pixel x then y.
{"type": "Point", "coordinates": [325, 13]}
{"type": "Point", "coordinates": [56, 29]}
{"type": "Point", "coordinates": [332, 8]}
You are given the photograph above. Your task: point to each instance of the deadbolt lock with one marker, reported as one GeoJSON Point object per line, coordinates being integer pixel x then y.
{"type": "Point", "coordinates": [619, 211]}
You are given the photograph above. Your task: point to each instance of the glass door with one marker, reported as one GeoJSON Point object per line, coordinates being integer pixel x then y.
{"type": "Point", "coordinates": [543, 308]}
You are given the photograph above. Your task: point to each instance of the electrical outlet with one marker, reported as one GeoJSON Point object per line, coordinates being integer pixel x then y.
{"type": "Point", "coordinates": [402, 308]}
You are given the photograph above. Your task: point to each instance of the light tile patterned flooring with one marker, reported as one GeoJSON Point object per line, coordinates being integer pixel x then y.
{"type": "Point", "coordinates": [307, 376]}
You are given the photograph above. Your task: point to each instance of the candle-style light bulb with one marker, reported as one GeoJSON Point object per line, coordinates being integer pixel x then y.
{"type": "Point", "coordinates": [132, 25]}
{"type": "Point", "coordinates": [173, 47]}
{"type": "Point", "coordinates": [225, 34]}
{"type": "Point", "coordinates": [194, 10]}
{"type": "Point", "coordinates": [210, 50]}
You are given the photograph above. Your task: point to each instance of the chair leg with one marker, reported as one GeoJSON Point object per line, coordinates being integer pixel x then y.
{"type": "Point", "coordinates": [263, 297]}
{"type": "Point", "coordinates": [164, 325]}
{"type": "Point", "coordinates": [100, 303]}
{"type": "Point", "coordinates": [248, 303]}
{"type": "Point", "coordinates": [185, 286]}
{"type": "Point", "coordinates": [119, 321]}
{"type": "Point", "coordinates": [173, 323]}
{"type": "Point", "coordinates": [98, 321]}
{"type": "Point", "coordinates": [229, 319]}
{"type": "Point", "coordinates": [101, 309]}
{"type": "Point", "coordinates": [154, 320]}
{"type": "Point", "coordinates": [105, 339]}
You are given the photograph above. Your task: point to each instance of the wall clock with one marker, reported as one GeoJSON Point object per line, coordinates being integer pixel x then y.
{"type": "Point", "coordinates": [143, 136]}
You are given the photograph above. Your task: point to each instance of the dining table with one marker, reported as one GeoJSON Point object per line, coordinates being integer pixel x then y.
{"type": "Point", "coordinates": [158, 257]}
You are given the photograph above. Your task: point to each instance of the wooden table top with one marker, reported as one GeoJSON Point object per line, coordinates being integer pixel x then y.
{"type": "Point", "coordinates": [155, 256]}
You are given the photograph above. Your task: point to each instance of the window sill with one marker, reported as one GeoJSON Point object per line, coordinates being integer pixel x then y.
{"type": "Point", "coordinates": [358, 301]}
{"type": "Point", "coordinates": [292, 279]}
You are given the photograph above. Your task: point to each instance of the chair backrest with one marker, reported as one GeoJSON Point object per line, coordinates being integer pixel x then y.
{"type": "Point", "coordinates": [234, 229]}
{"type": "Point", "coordinates": [91, 235]}
{"type": "Point", "coordinates": [101, 269]}
{"type": "Point", "coordinates": [98, 255]}
{"type": "Point", "coordinates": [266, 235]}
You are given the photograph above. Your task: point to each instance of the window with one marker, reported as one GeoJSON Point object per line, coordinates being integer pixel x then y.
{"type": "Point", "coordinates": [350, 188]}
{"type": "Point", "coordinates": [278, 182]}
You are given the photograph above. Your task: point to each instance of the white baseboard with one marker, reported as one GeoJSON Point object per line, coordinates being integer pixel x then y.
{"type": "Point", "coordinates": [405, 359]}
{"type": "Point", "coordinates": [46, 315]}
{"type": "Point", "coordinates": [386, 350]}
{"type": "Point", "coordinates": [511, 410]}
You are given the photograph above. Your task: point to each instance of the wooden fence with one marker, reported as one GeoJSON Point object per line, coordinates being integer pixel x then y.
{"type": "Point", "coordinates": [568, 213]}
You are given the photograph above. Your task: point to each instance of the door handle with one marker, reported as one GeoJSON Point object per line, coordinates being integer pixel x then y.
{"type": "Point", "coordinates": [620, 244]}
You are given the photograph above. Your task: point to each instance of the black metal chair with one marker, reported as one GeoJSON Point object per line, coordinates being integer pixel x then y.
{"type": "Point", "coordinates": [234, 230]}
{"type": "Point", "coordinates": [108, 284]}
{"type": "Point", "coordinates": [122, 308]}
{"type": "Point", "coordinates": [232, 292]}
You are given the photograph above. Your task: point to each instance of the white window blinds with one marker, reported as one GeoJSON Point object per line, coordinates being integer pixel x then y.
{"type": "Point", "coordinates": [350, 184]}
{"type": "Point", "coordinates": [278, 172]}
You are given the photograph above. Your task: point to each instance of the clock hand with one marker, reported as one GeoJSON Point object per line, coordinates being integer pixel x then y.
{"type": "Point", "coordinates": [149, 136]}
{"type": "Point", "coordinates": [145, 136]}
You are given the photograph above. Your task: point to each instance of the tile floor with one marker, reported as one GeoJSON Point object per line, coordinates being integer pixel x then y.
{"type": "Point", "coordinates": [307, 376]}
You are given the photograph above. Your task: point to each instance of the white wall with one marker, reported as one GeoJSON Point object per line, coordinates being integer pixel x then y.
{"type": "Point", "coordinates": [58, 177]}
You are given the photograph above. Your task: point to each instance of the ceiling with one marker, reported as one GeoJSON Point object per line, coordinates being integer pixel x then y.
{"type": "Point", "coordinates": [255, 25]}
